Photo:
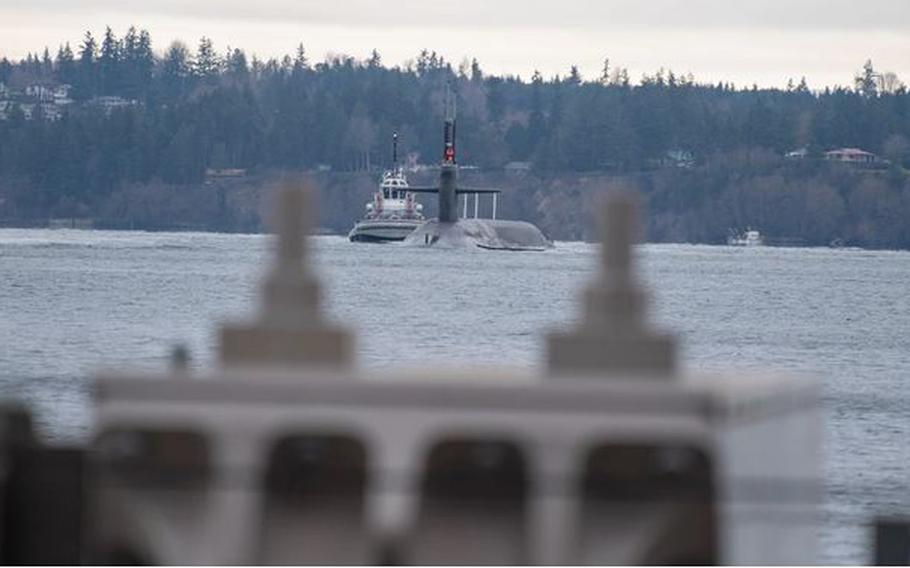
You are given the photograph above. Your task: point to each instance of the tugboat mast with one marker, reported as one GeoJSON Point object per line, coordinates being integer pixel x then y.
{"type": "Point", "coordinates": [394, 150]}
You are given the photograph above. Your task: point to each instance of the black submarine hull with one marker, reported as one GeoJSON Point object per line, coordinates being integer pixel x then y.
{"type": "Point", "coordinates": [490, 234]}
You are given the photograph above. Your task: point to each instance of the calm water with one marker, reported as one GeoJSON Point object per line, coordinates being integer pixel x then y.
{"type": "Point", "coordinates": [72, 301]}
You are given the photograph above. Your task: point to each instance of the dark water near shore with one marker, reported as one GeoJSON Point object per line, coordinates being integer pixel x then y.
{"type": "Point", "coordinates": [72, 301]}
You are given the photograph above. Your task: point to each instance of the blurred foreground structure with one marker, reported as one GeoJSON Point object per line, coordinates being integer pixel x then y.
{"type": "Point", "coordinates": [290, 454]}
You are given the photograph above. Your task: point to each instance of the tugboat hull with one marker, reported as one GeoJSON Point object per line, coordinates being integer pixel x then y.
{"type": "Point", "coordinates": [382, 231]}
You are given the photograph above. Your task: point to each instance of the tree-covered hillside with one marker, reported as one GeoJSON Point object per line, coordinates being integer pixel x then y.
{"type": "Point", "coordinates": [141, 116]}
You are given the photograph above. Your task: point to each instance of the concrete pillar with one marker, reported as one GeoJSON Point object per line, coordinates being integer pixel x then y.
{"type": "Point", "coordinates": [614, 335]}
{"type": "Point", "coordinates": [290, 329]}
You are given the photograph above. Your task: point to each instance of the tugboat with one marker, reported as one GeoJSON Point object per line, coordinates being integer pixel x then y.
{"type": "Point", "coordinates": [394, 213]}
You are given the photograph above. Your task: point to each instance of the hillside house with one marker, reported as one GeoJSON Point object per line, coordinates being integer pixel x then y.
{"type": "Point", "coordinates": [851, 155]}
{"type": "Point", "coordinates": [518, 167]}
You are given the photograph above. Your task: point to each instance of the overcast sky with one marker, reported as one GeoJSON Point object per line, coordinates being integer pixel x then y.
{"type": "Point", "coordinates": [762, 41]}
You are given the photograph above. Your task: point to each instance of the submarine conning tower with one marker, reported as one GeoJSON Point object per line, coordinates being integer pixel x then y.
{"type": "Point", "coordinates": [451, 230]}
{"type": "Point", "coordinates": [611, 453]}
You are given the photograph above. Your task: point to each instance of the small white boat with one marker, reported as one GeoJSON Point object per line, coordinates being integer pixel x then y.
{"type": "Point", "coordinates": [748, 238]}
{"type": "Point", "coordinates": [394, 212]}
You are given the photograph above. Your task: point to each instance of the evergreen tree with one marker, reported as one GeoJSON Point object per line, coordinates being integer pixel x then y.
{"type": "Point", "coordinates": [207, 64]}
{"type": "Point", "coordinates": [865, 82]}
{"type": "Point", "coordinates": [176, 69]}
{"type": "Point", "coordinates": [6, 70]}
{"type": "Point", "coordinates": [236, 66]}
{"type": "Point", "coordinates": [137, 61]}
{"type": "Point", "coordinates": [47, 65]}
{"type": "Point", "coordinates": [375, 61]}
{"type": "Point", "coordinates": [65, 65]}
{"type": "Point", "coordinates": [605, 72]}
{"type": "Point", "coordinates": [300, 60]}
{"type": "Point", "coordinates": [86, 83]}
{"type": "Point", "coordinates": [109, 64]}
{"type": "Point", "coordinates": [476, 73]}
{"type": "Point", "coordinates": [574, 77]}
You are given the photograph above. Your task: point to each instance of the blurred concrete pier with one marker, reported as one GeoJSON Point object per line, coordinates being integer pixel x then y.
{"type": "Point", "coordinates": [289, 453]}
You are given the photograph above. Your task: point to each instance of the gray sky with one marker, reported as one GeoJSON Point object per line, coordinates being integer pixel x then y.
{"type": "Point", "coordinates": [763, 41]}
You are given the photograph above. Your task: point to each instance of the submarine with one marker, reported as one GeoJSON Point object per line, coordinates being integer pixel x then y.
{"type": "Point", "coordinates": [449, 230]}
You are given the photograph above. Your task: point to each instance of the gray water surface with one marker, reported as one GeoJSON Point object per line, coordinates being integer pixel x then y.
{"type": "Point", "coordinates": [74, 301]}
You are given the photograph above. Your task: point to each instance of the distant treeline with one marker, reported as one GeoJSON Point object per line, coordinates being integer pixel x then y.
{"type": "Point", "coordinates": [182, 111]}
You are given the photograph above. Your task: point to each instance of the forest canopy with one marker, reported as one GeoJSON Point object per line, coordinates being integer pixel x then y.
{"type": "Point", "coordinates": [137, 114]}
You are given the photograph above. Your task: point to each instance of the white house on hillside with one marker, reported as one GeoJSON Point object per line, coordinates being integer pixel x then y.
{"type": "Point", "coordinates": [851, 155]}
